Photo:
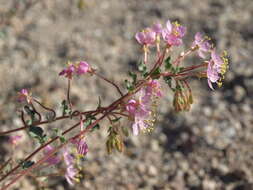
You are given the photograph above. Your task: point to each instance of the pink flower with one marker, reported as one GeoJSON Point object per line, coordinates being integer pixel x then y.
{"type": "Point", "coordinates": [216, 69]}
{"type": "Point", "coordinates": [173, 33]}
{"type": "Point", "coordinates": [68, 158]}
{"type": "Point", "coordinates": [68, 72]}
{"type": "Point", "coordinates": [14, 139]}
{"type": "Point", "coordinates": [139, 125]}
{"type": "Point", "coordinates": [82, 147]}
{"type": "Point", "coordinates": [141, 109]}
{"type": "Point", "coordinates": [82, 68]}
{"type": "Point", "coordinates": [70, 174]}
{"type": "Point", "coordinates": [218, 62]}
{"type": "Point", "coordinates": [212, 74]}
{"type": "Point", "coordinates": [154, 88]}
{"type": "Point", "coordinates": [53, 159]}
{"type": "Point", "coordinates": [131, 106]}
{"type": "Point", "coordinates": [203, 45]}
{"type": "Point", "coordinates": [157, 28]}
{"type": "Point", "coordinates": [78, 68]}
{"type": "Point", "coordinates": [139, 112]}
{"type": "Point", "coordinates": [146, 37]}
{"type": "Point", "coordinates": [71, 171]}
{"type": "Point", "coordinates": [24, 95]}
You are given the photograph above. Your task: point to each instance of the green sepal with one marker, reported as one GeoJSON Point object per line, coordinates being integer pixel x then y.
{"type": "Point", "coordinates": [168, 64]}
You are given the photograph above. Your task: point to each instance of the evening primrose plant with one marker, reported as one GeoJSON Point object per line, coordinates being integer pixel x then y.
{"type": "Point", "coordinates": [138, 103]}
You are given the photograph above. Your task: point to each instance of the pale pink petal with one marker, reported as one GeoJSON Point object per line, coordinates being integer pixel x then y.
{"type": "Point", "coordinates": [140, 37]}
{"type": "Point", "coordinates": [169, 26]}
{"type": "Point", "coordinates": [82, 68]}
{"type": "Point", "coordinates": [210, 84]}
{"type": "Point", "coordinates": [181, 30]}
{"type": "Point", "coordinates": [157, 28]}
{"type": "Point", "coordinates": [135, 128]}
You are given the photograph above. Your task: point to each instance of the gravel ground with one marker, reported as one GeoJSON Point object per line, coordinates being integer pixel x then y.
{"type": "Point", "coordinates": [208, 148]}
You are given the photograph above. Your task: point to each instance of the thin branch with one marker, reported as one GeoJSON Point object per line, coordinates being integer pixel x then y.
{"type": "Point", "coordinates": [68, 94]}
{"type": "Point", "coordinates": [45, 122]}
{"type": "Point", "coordinates": [41, 161]}
{"type": "Point", "coordinates": [46, 108]}
{"type": "Point", "coordinates": [5, 164]}
{"type": "Point", "coordinates": [107, 80]}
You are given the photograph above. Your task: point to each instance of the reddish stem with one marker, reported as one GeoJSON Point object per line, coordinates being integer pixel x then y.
{"type": "Point", "coordinates": [109, 81]}
{"type": "Point", "coordinates": [46, 108]}
{"type": "Point", "coordinates": [68, 94]}
{"type": "Point", "coordinates": [45, 122]}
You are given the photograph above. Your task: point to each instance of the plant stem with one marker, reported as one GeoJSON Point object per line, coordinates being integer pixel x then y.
{"type": "Point", "coordinates": [46, 108]}
{"type": "Point", "coordinates": [45, 122]}
{"type": "Point", "coordinates": [109, 81]}
{"type": "Point", "coordinates": [68, 94]}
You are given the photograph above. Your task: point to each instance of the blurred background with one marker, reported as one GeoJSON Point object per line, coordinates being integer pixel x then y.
{"type": "Point", "coordinates": [210, 147]}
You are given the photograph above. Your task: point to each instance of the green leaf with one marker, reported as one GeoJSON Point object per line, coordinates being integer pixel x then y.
{"type": "Point", "coordinates": [88, 122]}
{"type": "Point", "coordinates": [116, 120]}
{"type": "Point", "coordinates": [29, 122]}
{"type": "Point", "coordinates": [143, 69]}
{"type": "Point", "coordinates": [58, 133]}
{"type": "Point", "coordinates": [168, 81]}
{"type": "Point", "coordinates": [156, 73]}
{"type": "Point", "coordinates": [168, 64]}
{"type": "Point", "coordinates": [179, 87]}
{"type": "Point", "coordinates": [133, 76]}
{"type": "Point", "coordinates": [65, 108]}
{"type": "Point", "coordinates": [176, 69]}
{"type": "Point", "coordinates": [128, 85]}
{"type": "Point", "coordinates": [96, 127]}
{"type": "Point", "coordinates": [27, 164]}
{"type": "Point", "coordinates": [37, 133]}
{"type": "Point", "coordinates": [62, 139]}
{"type": "Point", "coordinates": [30, 112]}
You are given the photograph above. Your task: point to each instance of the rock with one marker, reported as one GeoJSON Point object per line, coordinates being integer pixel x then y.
{"type": "Point", "coordinates": [209, 184]}
{"type": "Point", "coordinates": [141, 168]}
{"type": "Point", "coordinates": [155, 145]}
{"type": "Point", "coordinates": [239, 93]}
{"type": "Point", "coordinates": [152, 171]}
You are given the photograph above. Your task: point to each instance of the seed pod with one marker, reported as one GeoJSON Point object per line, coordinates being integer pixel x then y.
{"type": "Point", "coordinates": [119, 145]}
{"type": "Point", "coordinates": [109, 146]}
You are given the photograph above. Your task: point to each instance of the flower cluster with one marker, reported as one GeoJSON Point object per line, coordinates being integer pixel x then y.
{"type": "Point", "coordinates": [81, 146]}
{"type": "Point", "coordinates": [142, 108]}
{"type": "Point", "coordinates": [53, 159]}
{"type": "Point", "coordinates": [13, 140]}
{"type": "Point", "coordinates": [172, 34]}
{"type": "Point", "coordinates": [71, 173]}
{"type": "Point", "coordinates": [202, 44]}
{"type": "Point", "coordinates": [217, 67]}
{"type": "Point", "coordinates": [24, 96]}
{"type": "Point", "coordinates": [79, 68]}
